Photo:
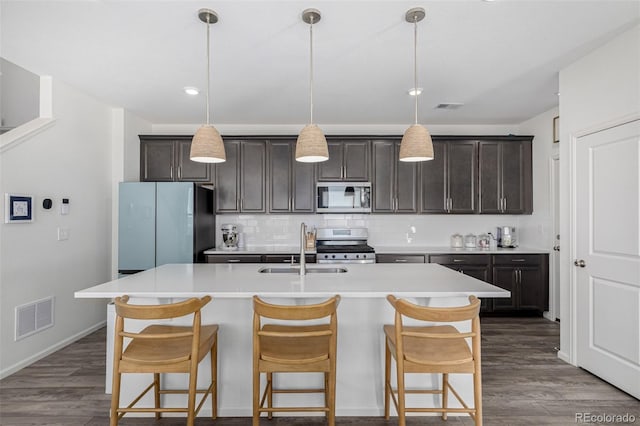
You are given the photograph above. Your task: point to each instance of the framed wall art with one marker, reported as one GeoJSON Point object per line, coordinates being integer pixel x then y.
{"type": "Point", "coordinates": [18, 208]}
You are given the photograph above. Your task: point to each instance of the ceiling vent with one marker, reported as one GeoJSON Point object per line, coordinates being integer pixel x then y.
{"type": "Point", "coordinates": [449, 106]}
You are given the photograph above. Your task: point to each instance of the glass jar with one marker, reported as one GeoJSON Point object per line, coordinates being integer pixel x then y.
{"type": "Point", "coordinates": [456, 241]}
{"type": "Point", "coordinates": [484, 241]}
{"type": "Point", "coordinates": [470, 241]}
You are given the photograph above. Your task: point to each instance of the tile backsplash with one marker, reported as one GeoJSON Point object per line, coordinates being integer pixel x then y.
{"type": "Point", "coordinates": [384, 230]}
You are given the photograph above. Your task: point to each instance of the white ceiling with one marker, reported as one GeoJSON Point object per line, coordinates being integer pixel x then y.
{"type": "Point", "coordinates": [500, 59]}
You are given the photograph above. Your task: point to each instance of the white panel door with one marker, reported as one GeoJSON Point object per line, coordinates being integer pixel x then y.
{"type": "Point", "coordinates": [608, 255]}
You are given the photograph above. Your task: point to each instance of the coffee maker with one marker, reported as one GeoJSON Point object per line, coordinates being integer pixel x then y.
{"type": "Point", "coordinates": [229, 236]}
{"type": "Point", "coordinates": [507, 237]}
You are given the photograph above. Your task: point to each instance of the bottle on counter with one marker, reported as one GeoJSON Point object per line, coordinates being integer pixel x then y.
{"type": "Point", "coordinates": [470, 241]}
{"type": "Point", "coordinates": [456, 241]}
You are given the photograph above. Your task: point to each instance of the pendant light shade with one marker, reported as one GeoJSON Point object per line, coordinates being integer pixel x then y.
{"type": "Point", "coordinates": [207, 145]}
{"type": "Point", "coordinates": [416, 142]}
{"type": "Point", "coordinates": [311, 146]}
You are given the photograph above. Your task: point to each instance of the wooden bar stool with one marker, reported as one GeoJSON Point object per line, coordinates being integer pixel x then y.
{"type": "Point", "coordinates": [432, 349]}
{"type": "Point", "coordinates": [163, 349]}
{"type": "Point", "coordinates": [299, 348]}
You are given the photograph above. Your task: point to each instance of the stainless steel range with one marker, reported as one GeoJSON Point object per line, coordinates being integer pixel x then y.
{"type": "Point", "coordinates": [344, 245]}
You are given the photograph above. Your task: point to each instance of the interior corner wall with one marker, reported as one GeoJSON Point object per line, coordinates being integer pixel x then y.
{"type": "Point", "coordinates": [70, 160]}
{"type": "Point", "coordinates": [133, 127]}
{"type": "Point", "coordinates": [537, 228]}
{"type": "Point", "coordinates": [599, 89]}
{"type": "Point", "coordinates": [19, 95]}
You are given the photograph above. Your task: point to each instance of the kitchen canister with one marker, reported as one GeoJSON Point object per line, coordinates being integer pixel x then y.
{"type": "Point", "coordinates": [470, 241]}
{"type": "Point", "coordinates": [456, 241]}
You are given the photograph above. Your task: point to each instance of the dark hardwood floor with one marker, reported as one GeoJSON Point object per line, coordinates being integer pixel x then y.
{"type": "Point", "coordinates": [524, 383]}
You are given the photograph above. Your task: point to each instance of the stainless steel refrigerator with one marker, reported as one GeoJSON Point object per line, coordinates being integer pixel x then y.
{"type": "Point", "coordinates": [163, 222]}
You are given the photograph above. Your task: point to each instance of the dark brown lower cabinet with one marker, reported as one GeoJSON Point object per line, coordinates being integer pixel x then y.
{"type": "Point", "coordinates": [400, 258]}
{"type": "Point", "coordinates": [286, 258]}
{"type": "Point", "coordinates": [231, 258]}
{"type": "Point", "coordinates": [258, 258]}
{"type": "Point", "coordinates": [526, 277]}
{"type": "Point", "coordinates": [475, 265]}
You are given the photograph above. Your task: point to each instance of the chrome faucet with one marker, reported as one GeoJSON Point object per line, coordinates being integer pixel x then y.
{"type": "Point", "coordinates": [303, 263]}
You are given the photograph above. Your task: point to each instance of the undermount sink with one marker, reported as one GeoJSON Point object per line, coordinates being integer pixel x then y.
{"type": "Point", "coordinates": [268, 270]}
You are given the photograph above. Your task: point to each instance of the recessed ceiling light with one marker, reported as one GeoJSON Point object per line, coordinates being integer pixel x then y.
{"type": "Point", "coordinates": [414, 92]}
{"type": "Point", "coordinates": [191, 90]}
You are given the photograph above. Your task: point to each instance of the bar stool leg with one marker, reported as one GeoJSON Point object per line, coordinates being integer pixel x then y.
{"type": "Point", "coordinates": [156, 393]}
{"type": "Point", "coordinates": [256, 397]}
{"type": "Point", "coordinates": [445, 394]}
{"type": "Point", "coordinates": [270, 394]}
{"type": "Point", "coordinates": [387, 380]}
{"type": "Point", "coordinates": [214, 380]}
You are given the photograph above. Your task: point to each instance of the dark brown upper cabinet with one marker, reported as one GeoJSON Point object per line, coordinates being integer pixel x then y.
{"type": "Point", "coordinates": [348, 161]}
{"type": "Point", "coordinates": [166, 159]}
{"type": "Point", "coordinates": [394, 182]}
{"type": "Point", "coordinates": [505, 176]}
{"type": "Point", "coordinates": [449, 181]}
{"type": "Point", "coordinates": [291, 183]}
{"type": "Point", "coordinates": [240, 181]}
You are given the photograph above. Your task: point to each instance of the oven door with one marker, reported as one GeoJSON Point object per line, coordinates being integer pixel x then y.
{"type": "Point", "coordinates": [326, 261]}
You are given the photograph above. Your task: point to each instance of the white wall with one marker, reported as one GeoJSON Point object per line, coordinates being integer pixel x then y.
{"type": "Point", "coordinates": [70, 160]}
{"type": "Point", "coordinates": [599, 89]}
{"type": "Point", "coordinates": [537, 229]}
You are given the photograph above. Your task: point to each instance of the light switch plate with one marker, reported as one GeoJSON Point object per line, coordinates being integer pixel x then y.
{"type": "Point", "coordinates": [63, 234]}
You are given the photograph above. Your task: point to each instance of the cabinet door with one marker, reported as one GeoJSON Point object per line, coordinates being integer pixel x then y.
{"type": "Point", "coordinates": [228, 180]}
{"type": "Point", "coordinates": [156, 161]}
{"type": "Point", "coordinates": [462, 176]}
{"type": "Point", "coordinates": [356, 161]}
{"type": "Point", "coordinates": [190, 171]}
{"type": "Point", "coordinates": [304, 186]}
{"type": "Point", "coordinates": [516, 157]}
{"type": "Point", "coordinates": [434, 184]}
{"type": "Point", "coordinates": [332, 168]}
{"type": "Point", "coordinates": [252, 176]}
{"type": "Point", "coordinates": [531, 288]}
{"type": "Point", "coordinates": [489, 186]}
{"type": "Point", "coordinates": [505, 277]}
{"type": "Point", "coordinates": [384, 164]}
{"type": "Point", "coordinates": [280, 182]}
{"type": "Point", "coordinates": [406, 182]}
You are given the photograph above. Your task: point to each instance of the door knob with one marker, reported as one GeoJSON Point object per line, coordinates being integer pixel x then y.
{"type": "Point", "coordinates": [556, 248]}
{"type": "Point", "coordinates": [579, 263]}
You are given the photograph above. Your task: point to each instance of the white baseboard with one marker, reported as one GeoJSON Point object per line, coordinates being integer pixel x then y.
{"type": "Point", "coordinates": [48, 351]}
{"type": "Point", "coordinates": [564, 356]}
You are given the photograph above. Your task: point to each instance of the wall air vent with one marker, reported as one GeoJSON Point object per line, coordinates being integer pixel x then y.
{"type": "Point", "coordinates": [33, 317]}
{"type": "Point", "coordinates": [449, 106]}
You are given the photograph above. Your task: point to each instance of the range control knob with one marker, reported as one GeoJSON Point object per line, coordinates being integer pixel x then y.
{"type": "Point", "coordinates": [333, 256]}
{"type": "Point", "coordinates": [345, 256]}
{"type": "Point", "coordinates": [357, 256]}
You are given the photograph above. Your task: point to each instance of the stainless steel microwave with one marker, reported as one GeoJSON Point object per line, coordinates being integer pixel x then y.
{"type": "Point", "coordinates": [343, 197]}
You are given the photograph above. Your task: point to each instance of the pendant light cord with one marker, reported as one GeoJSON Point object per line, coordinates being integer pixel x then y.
{"type": "Point", "coordinates": [208, 65]}
{"type": "Point", "coordinates": [415, 64]}
{"type": "Point", "coordinates": [311, 69]}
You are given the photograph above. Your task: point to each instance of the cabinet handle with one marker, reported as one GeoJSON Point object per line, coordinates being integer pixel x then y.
{"type": "Point", "coordinates": [171, 171]}
{"type": "Point", "coordinates": [518, 260]}
{"type": "Point", "coordinates": [519, 276]}
{"type": "Point", "coordinates": [179, 172]}
{"type": "Point", "coordinates": [458, 260]}
{"type": "Point", "coordinates": [233, 260]}
{"type": "Point", "coordinates": [450, 204]}
{"type": "Point", "coordinates": [400, 260]}
{"type": "Point", "coordinates": [242, 204]}
{"type": "Point", "coordinates": [504, 209]}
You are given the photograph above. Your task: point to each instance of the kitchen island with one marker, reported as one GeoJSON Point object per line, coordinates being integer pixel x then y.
{"type": "Point", "coordinates": [361, 314]}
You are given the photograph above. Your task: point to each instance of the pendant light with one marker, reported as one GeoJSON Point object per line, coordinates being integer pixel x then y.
{"type": "Point", "coordinates": [311, 146]}
{"type": "Point", "coordinates": [416, 142]}
{"type": "Point", "coordinates": [207, 145]}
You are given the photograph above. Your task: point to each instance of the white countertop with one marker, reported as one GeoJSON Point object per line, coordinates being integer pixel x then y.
{"type": "Point", "coordinates": [244, 280]}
